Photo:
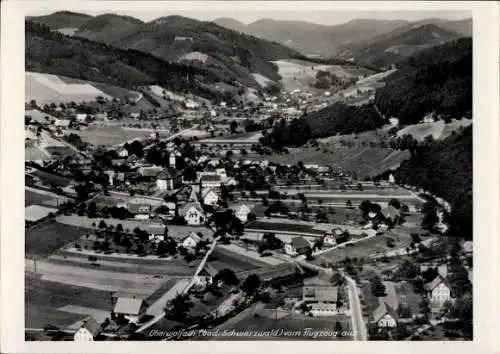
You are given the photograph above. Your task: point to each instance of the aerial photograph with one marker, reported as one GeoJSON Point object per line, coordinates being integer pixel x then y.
{"type": "Point", "coordinates": [262, 175]}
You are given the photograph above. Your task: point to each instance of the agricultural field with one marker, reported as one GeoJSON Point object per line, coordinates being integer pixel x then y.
{"type": "Point", "coordinates": [49, 179]}
{"type": "Point", "coordinates": [290, 227]}
{"type": "Point", "coordinates": [44, 239]}
{"type": "Point", "coordinates": [46, 300]}
{"type": "Point", "coordinates": [364, 161]}
{"type": "Point", "coordinates": [222, 258]}
{"type": "Point", "coordinates": [109, 135]}
{"type": "Point", "coordinates": [438, 130]}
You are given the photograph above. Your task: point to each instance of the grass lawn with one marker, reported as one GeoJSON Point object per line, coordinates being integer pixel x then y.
{"type": "Point", "coordinates": [44, 239]}
{"type": "Point", "coordinates": [40, 316]}
{"type": "Point", "coordinates": [160, 291]}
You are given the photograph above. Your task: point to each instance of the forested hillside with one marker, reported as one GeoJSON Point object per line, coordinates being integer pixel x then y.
{"type": "Point", "coordinates": [53, 53]}
{"type": "Point", "coordinates": [435, 80]}
{"type": "Point", "coordinates": [445, 169]}
{"type": "Point", "coordinates": [338, 118]}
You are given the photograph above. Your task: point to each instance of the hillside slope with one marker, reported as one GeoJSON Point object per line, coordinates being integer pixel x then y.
{"type": "Point", "coordinates": [310, 38]}
{"type": "Point", "coordinates": [383, 51]}
{"type": "Point", "coordinates": [445, 169]}
{"type": "Point", "coordinates": [436, 80]}
{"type": "Point", "coordinates": [51, 52]}
{"type": "Point", "coordinates": [61, 19]}
{"type": "Point", "coordinates": [108, 27]}
{"type": "Point", "coordinates": [226, 53]}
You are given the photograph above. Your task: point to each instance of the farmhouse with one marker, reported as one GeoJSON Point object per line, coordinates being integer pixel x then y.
{"type": "Point", "coordinates": [298, 245]}
{"type": "Point", "coordinates": [210, 197]}
{"type": "Point", "coordinates": [191, 104]}
{"type": "Point", "coordinates": [241, 211]}
{"type": "Point", "coordinates": [123, 153]}
{"type": "Point", "coordinates": [131, 308]}
{"type": "Point", "coordinates": [89, 330]}
{"type": "Point", "coordinates": [385, 315]}
{"type": "Point", "coordinates": [321, 295]}
{"type": "Point", "coordinates": [150, 171]}
{"type": "Point", "coordinates": [391, 214]}
{"type": "Point", "coordinates": [81, 117]}
{"type": "Point", "coordinates": [172, 158]}
{"type": "Point", "coordinates": [438, 290]}
{"type": "Point", "coordinates": [191, 241]}
{"type": "Point", "coordinates": [168, 179]}
{"type": "Point", "coordinates": [192, 213]}
{"type": "Point", "coordinates": [211, 181]}
{"type": "Point", "coordinates": [62, 122]}
{"type": "Point", "coordinates": [181, 38]}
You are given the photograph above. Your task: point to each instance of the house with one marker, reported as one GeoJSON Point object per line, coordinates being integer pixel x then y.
{"type": "Point", "coordinates": [192, 213]}
{"type": "Point", "coordinates": [123, 153]}
{"type": "Point", "coordinates": [210, 181]}
{"type": "Point", "coordinates": [62, 122]}
{"type": "Point", "coordinates": [385, 314]}
{"type": "Point", "coordinates": [111, 176]}
{"type": "Point", "coordinates": [131, 308]}
{"type": "Point", "coordinates": [172, 158]}
{"type": "Point", "coordinates": [191, 241]}
{"type": "Point", "coordinates": [231, 181]}
{"type": "Point", "coordinates": [221, 172]}
{"type": "Point", "coordinates": [101, 116]}
{"type": "Point", "coordinates": [150, 171]}
{"type": "Point", "coordinates": [181, 39]}
{"type": "Point", "coordinates": [210, 197]}
{"type": "Point", "coordinates": [135, 115]}
{"type": "Point", "coordinates": [206, 275]}
{"type": "Point", "coordinates": [191, 104]}
{"type": "Point", "coordinates": [438, 290]}
{"type": "Point", "coordinates": [81, 117]}
{"type": "Point", "coordinates": [213, 113]}
{"type": "Point", "coordinates": [241, 212]}
{"type": "Point", "coordinates": [88, 331]}
{"type": "Point", "coordinates": [330, 238]}
{"type": "Point", "coordinates": [321, 295]}
{"type": "Point", "coordinates": [391, 214]}
{"type": "Point", "coordinates": [140, 211]}
{"type": "Point", "coordinates": [467, 247]}
{"type": "Point", "coordinates": [391, 179]}
{"type": "Point", "coordinates": [156, 238]}
{"type": "Point", "coordinates": [298, 245]}
{"type": "Point", "coordinates": [168, 179]}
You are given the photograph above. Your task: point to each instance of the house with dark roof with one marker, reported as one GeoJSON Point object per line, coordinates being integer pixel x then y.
{"type": "Point", "coordinates": [88, 331]}
{"type": "Point", "coordinates": [192, 213]}
{"type": "Point", "coordinates": [131, 308]}
{"type": "Point", "coordinates": [438, 290]}
{"type": "Point", "coordinates": [385, 314]}
{"type": "Point", "coordinates": [298, 245]}
{"type": "Point", "coordinates": [391, 214]}
{"type": "Point", "coordinates": [321, 295]}
{"type": "Point", "coordinates": [211, 181]}
{"type": "Point", "coordinates": [169, 179]}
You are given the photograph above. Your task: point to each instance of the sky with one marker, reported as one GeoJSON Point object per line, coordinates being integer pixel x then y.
{"type": "Point", "coordinates": [324, 12]}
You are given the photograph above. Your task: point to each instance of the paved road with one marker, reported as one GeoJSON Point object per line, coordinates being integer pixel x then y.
{"type": "Point", "coordinates": [358, 324]}
{"type": "Point", "coordinates": [161, 312]}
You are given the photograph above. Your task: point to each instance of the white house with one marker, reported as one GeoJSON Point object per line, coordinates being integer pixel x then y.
{"type": "Point", "coordinates": [172, 159]}
{"type": "Point", "coordinates": [192, 213]}
{"type": "Point", "coordinates": [135, 115]}
{"type": "Point", "coordinates": [210, 181]}
{"type": "Point", "coordinates": [213, 113]}
{"type": "Point", "coordinates": [88, 331]}
{"type": "Point", "coordinates": [385, 316]}
{"type": "Point", "coordinates": [168, 179]}
{"type": "Point", "coordinates": [81, 117]}
{"type": "Point", "coordinates": [191, 104]}
{"type": "Point", "coordinates": [191, 241]}
{"type": "Point", "coordinates": [241, 212]}
{"type": "Point", "coordinates": [221, 172]}
{"type": "Point", "coordinates": [210, 197]}
{"type": "Point", "coordinates": [156, 238]}
{"type": "Point", "coordinates": [123, 153]}
{"type": "Point", "coordinates": [62, 122]}
{"type": "Point", "coordinates": [131, 308]}
{"type": "Point", "coordinates": [298, 245]}
{"type": "Point", "coordinates": [391, 179]}
{"type": "Point", "coordinates": [438, 290]}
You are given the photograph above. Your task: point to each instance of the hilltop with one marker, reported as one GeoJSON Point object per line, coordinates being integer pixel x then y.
{"type": "Point", "coordinates": [61, 19]}
{"type": "Point", "coordinates": [107, 27]}
{"type": "Point", "coordinates": [383, 51]}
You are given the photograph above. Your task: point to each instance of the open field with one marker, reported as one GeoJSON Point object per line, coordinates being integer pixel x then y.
{"type": "Point", "coordinates": [364, 161]}
{"type": "Point", "coordinates": [32, 196]}
{"type": "Point", "coordinates": [109, 135]}
{"type": "Point", "coordinates": [438, 130]}
{"type": "Point", "coordinates": [44, 298]}
{"type": "Point", "coordinates": [176, 231]}
{"type": "Point", "coordinates": [49, 178]}
{"type": "Point", "coordinates": [245, 138]}
{"type": "Point", "coordinates": [141, 285]}
{"type": "Point", "coordinates": [222, 258]}
{"type": "Point", "coordinates": [44, 239]}
{"type": "Point", "coordinates": [262, 225]}
{"type": "Point", "coordinates": [46, 88]}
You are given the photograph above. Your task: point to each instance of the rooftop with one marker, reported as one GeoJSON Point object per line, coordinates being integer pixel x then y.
{"type": "Point", "coordinates": [128, 305]}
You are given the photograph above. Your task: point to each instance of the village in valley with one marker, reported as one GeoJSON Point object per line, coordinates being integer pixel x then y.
{"type": "Point", "coordinates": [159, 215]}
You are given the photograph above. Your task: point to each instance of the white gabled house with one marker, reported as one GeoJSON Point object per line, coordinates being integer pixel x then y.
{"type": "Point", "coordinates": [191, 241]}
{"type": "Point", "coordinates": [88, 331]}
{"type": "Point", "coordinates": [241, 211]}
{"type": "Point", "coordinates": [131, 308]}
{"type": "Point", "coordinates": [210, 197]}
{"type": "Point", "coordinates": [438, 290]}
{"type": "Point", "coordinates": [192, 213]}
